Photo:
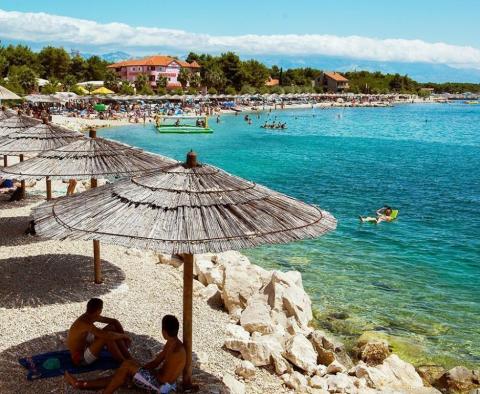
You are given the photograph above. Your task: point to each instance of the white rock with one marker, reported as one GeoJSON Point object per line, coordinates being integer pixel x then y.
{"type": "Point", "coordinates": [317, 382]}
{"type": "Point", "coordinates": [230, 258]}
{"type": "Point", "coordinates": [246, 369]}
{"type": "Point", "coordinates": [215, 276]}
{"type": "Point", "coordinates": [293, 328]}
{"type": "Point", "coordinates": [335, 367]}
{"type": "Point", "coordinates": [170, 260]}
{"type": "Point", "coordinates": [393, 373]}
{"type": "Point", "coordinates": [284, 295]}
{"type": "Point", "coordinates": [239, 284]}
{"type": "Point", "coordinates": [258, 353]}
{"type": "Point", "coordinates": [321, 370]}
{"type": "Point", "coordinates": [202, 265]}
{"type": "Point", "coordinates": [236, 332]}
{"type": "Point", "coordinates": [235, 386]}
{"type": "Point", "coordinates": [295, 380]}
{"type": "Point", "coordinates": [340, 383]}
{"type": "Point", "coordinates": [212, 295]}
{"type": "Point", "coordinates": [256, 316]}
{"type": "Point", "coordinates": [280, 364]}
{"type": "Point", "coordinates": [299, 351]}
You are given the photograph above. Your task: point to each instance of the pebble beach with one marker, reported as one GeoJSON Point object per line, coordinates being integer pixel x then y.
{"type": "Point", "coordinates": [44, 286]}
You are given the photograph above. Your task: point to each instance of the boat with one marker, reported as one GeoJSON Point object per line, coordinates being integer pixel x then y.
{"type": "Point", "coordinates": [181, 124]}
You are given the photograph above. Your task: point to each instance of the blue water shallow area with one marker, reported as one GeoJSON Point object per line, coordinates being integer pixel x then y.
{"type": "Point", "coordinates": [415, 281]}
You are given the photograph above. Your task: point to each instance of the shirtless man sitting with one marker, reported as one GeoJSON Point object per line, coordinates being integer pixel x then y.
{"type": "Point", "coordinates": [85, 341]}
{"type": "Point", "coordinates": [157, 376]}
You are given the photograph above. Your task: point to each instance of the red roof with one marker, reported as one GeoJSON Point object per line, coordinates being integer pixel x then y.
{"type": "Point", "coordinates": [159, 60]}
{"type": "Point", "coordinates": [336, 76]}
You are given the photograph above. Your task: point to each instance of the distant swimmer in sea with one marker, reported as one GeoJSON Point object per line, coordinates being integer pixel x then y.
{"type": "Point", "coordinates": [384, 214]}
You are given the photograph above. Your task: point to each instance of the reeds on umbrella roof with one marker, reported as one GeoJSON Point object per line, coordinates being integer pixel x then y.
{"type": "Point", "coordinates": [179, 209]}
{"type": "Point", "coordinates": [36, 138]}
{"type": "Point", "coordinates": [87, 158]}
{"type": "Point", "coordinates": [16, 123]}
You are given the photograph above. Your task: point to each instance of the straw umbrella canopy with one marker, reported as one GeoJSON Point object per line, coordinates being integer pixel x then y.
{"type": "Point", "coordinates": [35, 139]}
{"type": "Point", "coordinates": [87, 158]}
{"type": "Point", "coordinates": [183, 208]}
{"type": "Point", "coordinates": [6, 94]}
{"type": "Point", "coordinates": [12, 123]}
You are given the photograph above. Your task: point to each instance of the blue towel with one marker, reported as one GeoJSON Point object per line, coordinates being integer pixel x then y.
{"type": "Point", "coordinates": [52, 364]}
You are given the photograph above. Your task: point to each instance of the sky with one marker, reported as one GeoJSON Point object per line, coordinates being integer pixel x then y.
{"type": "Point", "coordinates": [432, 31]}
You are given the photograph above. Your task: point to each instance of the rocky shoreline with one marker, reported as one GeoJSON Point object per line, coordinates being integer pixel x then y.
{"type": "Point", "coordinates": [270, 327]}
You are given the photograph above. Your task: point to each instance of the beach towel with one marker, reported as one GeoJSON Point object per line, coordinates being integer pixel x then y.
{"type": "Point", "coordinates": [52, 364]}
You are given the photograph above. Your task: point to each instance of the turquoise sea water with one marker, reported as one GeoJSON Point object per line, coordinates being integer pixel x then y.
{"type": "Point", "coordinates": [417, 280]}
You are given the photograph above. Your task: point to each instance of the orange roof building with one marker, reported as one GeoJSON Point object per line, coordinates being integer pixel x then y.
{"type": "Point", "coordinates": [154, 67]}
{"type": "Point", "coordinates": [272, 82]}
{"type": "Point", "coordinates": [333, 82]}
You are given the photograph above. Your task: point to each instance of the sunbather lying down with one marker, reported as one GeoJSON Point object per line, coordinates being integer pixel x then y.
{"type": "Point", "coordinates": [157, 376]}
{"type": "Point", "coordinates": [384, 214]}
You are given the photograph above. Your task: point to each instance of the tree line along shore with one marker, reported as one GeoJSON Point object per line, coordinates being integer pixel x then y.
{"type": "Point", "coordinates": [21, 67]}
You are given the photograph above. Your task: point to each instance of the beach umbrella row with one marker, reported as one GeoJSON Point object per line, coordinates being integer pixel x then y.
{"type": "Point", "coordinates": [183, 208]}
{"type": "Point", "coordinates": [86, 158]}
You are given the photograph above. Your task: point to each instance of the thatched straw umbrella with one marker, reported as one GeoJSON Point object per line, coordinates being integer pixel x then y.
{"type": "Point", "coordinates": [6, 94]}
{"type": "Point", "coordinates": [184, 208]}
{"type": "Point", "coordinates": [87, 158]}
{"type": "Point", "coordinates": [35, 139]}
{"type": "Point", "coordinates": [14, 122]}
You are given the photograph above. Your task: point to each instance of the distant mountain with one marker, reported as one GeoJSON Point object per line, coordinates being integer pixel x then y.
{"type": "Point", "coordinates": [114, 57]}
{"type": "Point", "coordinates": [111, 57]}
{"type": "Point", "coordinates": [421, 72]}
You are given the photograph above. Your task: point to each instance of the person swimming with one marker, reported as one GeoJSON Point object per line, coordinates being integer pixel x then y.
{"type": "Point", "coordinates": [384, 214]}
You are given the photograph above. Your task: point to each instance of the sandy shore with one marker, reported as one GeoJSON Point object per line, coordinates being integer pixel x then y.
{"type": "Point", "coordinates": [44, 286]}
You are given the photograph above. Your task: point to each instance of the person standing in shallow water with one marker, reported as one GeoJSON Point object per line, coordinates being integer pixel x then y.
{"type": "Point", "coordinates": [158, 375]}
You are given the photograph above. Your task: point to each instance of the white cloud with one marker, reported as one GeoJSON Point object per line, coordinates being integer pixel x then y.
{"type": "Point", "coordinates": [47, 28]}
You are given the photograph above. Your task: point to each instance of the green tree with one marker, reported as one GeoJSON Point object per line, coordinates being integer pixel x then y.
{"type": "Point", "coordinates": [142, 84]}
{"type": "Point", "coordinates": [232, 68]}
{"type": "Point", "coordinates": [53, 86]}
{"type": "Point", "coordinates": [214, 78]}
{"type": "Point", "coordinates": [24, 77]}
{"type": "Point", "coordinates": [111, 80]}
{"type": "Point", "coordinates": [161, 82]}
{"type": "Point", "coordinates": [126, 88]}
{"type": "Point", "coordinates": [69, 82]}
{"type": "Point", "coordinates": [212, 91]}
{"type": "Point", "coordinates": [95, 69]}
{"type": "Point", "coordinates": [54, 62]}
{"type": "Point", "coordinates": [230, 90]}
{"type": "Point", "coordinates": [255, 73]}
{"type": "Point", "coordinates": [77, 68]}
{"type": "Point", "coordinates": [195, 80]}
{"type": "Point", "coordinates": [184, 77]}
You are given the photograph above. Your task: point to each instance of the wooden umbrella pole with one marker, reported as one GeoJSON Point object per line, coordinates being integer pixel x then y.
{"type": "Point", "coordinates": [5, 160]}
{"type": "Point", "coordinates": [96, 262]}
{"type": "Point", "coordinates": [187, 317]}
{"type": "Point", "coordinates": [97, 267]}
{"type": "Point", "coordinates": [48, 181]}
{"type": "Point", "coordinates": [22, 183]}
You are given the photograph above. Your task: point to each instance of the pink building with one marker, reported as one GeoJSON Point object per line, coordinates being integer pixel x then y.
{"type": "Point", "coordinates": [153, 67]}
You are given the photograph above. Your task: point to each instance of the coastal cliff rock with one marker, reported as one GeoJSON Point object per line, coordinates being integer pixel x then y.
{"type": "Point", "coordinates": [256, 316]}
{"type": "Point", "coordinates": [458, 379]}
{"type": "Point", "coordinates": [329, 349]}
{"type": "Point", "coordinates": [271, 316]}
{"type": "Point", "coordinates": [373, 352]}
{"type": "Point", "coordinates": [246, 370]}
{"type": "Point", "coordinates": [299, 351]}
